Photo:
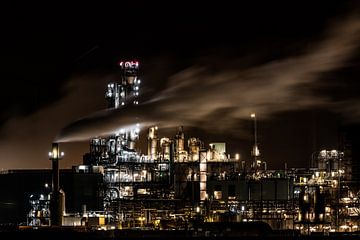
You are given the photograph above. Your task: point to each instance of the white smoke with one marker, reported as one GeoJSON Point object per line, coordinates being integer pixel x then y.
{"type": "Point", "coordinates": [202, 97]}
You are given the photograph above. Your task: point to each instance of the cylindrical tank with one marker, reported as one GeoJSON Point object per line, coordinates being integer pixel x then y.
{"type": "Point", "coordinates": [57, 208]}
{"type": "Point", "coordinates": [179, 144]}
{"type": "Point", "coordinates": [83, 209]}
{"type": "Point", "coordinates": [62, 203]}
{"type": "Point", "coordinates": [131, 145]}
{"type": "Point", "coordinates": [153, 148]}
{"type": "Point", "coordinates": [152, 143]}
{"type": "Point", "coordinates": [194, 148]}
{"type": "Point", "coordinates": [179, 140]}
{"type": "Point", "coordinates": [165, 148]}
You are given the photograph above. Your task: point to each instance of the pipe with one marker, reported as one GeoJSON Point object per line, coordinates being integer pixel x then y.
{"type": "Point", "coordinates": [171, 165]}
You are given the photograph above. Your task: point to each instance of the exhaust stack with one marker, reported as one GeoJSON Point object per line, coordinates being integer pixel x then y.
{"type": "Point", "coordinates": [57, 200]}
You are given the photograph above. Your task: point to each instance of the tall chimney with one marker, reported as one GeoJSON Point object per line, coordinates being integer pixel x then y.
{"type": "Point", "coordinates": [57, 201]}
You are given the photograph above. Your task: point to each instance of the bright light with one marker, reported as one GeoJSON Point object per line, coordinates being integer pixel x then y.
{"type": "Point", "coordinates": [129, 64]}
{"type": "Point", "coordinates": [253, 115]}
{"type": "Point", "coordinates": [323, 153]}
{"type": "Point", "coordinates": [54, 153]}
{"type": "Point", "coordinates": [197, 209]}
{"type": "Point", "coordinates": [237, 156]}
{"type": "Point", "coordinates": [82, 167]}
{"type": "Point", "coordinates": [256, 151]}
{"type": "Point", "coordinates": [334, 153]}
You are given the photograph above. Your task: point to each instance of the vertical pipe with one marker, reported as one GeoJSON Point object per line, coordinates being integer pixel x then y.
{"type": "Point", "coordinates": [171, 163]}
{"type": "Point", "coordinates": [255, 132]}
{"type": "Point", "coordinates": [255, 149]}
{"type": "Point", "coordinates": [255, 143]}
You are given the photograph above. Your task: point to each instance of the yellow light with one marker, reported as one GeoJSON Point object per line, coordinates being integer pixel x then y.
{"type": "Point", "coordinates": [55, 153]}
{"type": "Point", "coordinates": [253, 115]}
{"type": "Point", "coordinates": [197, 209]}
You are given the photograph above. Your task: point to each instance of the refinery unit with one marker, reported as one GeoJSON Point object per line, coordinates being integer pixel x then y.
{"type": "Point", "coordinates": [181, 181]}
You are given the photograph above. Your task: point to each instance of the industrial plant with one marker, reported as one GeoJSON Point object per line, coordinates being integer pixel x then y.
{"type": "Point", "coordinates": [183, 184]}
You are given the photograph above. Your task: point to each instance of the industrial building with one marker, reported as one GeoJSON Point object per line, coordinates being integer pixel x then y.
{"type": "Point", "coordinates": [26, 198]}
{"type": "Point", "coordinates": [181, 181]}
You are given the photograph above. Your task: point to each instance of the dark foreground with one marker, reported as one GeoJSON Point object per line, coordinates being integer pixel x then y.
{"type": "Point", "coordinates": [48, 233]}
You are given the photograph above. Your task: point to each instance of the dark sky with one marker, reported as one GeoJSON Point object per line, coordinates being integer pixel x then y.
{"type": "Point", "coordinates": [204, 66]}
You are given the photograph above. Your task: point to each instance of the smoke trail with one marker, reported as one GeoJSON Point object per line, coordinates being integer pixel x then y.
{"type": "Point", "coordinates": [219, 100]}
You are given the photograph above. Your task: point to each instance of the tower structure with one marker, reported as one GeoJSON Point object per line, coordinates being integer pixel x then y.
{"type": "Point", "coordinates": [255, 153]}
{"type": "Point", "coordinates": [129, 177]}
{"type": "Point", "coordinates": [127, 90]}
{"type": "Point", "coordinates": [113, 152]}
{"type": "Point", "coordinates": [57, 200]}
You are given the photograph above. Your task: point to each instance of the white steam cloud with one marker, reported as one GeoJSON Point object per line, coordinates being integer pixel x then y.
{"type": "Point", "coordinates": [219, 100]}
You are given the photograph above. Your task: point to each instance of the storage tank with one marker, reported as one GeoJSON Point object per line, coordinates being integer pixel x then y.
{"type": "Point", "coordinates": [194, 148]}
{"type": "Point", "coordinates": [152, 143]}
{"type": "Point", "coordinates": [179, 140]}
{"type": "Point", "coordinates": [165, 148]}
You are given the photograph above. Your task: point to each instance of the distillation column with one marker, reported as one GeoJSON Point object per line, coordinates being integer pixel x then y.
{"type": "Point", "coordinates": [124, 93]}
{"type": "Point", "coordinates": [152, 143]}
{"type": "Point", "coordinates": [180, 153]}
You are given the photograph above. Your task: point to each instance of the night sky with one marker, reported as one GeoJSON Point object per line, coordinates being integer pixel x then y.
{"type": "Point", "coordinates": [203, 66]}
